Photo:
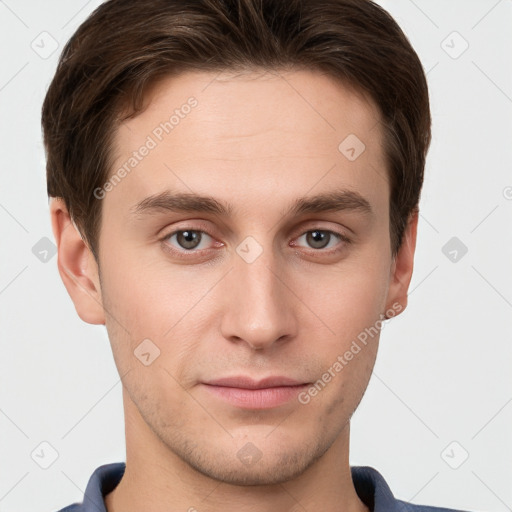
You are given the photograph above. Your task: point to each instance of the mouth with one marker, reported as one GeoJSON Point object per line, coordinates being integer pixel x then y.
{"type": "Point", "coordinates": [246, 393]}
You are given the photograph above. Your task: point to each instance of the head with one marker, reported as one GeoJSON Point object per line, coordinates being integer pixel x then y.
{"type": "Point", "coordinates": [236, 193]}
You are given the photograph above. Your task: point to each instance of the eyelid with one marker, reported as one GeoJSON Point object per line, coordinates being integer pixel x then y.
{"type": "Point", "coordinates": [316, 225]}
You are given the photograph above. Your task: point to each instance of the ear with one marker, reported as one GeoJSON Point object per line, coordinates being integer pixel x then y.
{"type": "Point", "coordinates": [402, 267]}
{"type": "Point", "coordinates": [77, 266]}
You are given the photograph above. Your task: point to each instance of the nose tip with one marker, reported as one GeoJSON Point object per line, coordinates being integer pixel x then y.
{"type": "Point", "coordinates": [259, 338]}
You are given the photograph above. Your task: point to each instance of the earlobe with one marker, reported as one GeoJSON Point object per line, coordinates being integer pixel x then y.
{"type": "Point", "coordinates": [77, 266]}
{"type": "Point", "coordinates": [402, 268]}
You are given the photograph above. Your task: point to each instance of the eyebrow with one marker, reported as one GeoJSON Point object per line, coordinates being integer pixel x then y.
{"type": "Point", "coordinates": [167, 201]}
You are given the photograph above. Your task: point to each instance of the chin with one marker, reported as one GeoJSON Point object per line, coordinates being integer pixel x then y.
{"type": "Point", "coordinates": [273, 464]}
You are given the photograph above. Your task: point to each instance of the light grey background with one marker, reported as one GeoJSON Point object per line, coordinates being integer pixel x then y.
{"type": "Point", "coordinates": [441, 389]}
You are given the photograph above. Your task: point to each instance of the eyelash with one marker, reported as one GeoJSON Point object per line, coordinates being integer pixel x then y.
{"type": "Point", "coordinates": [183, 253]}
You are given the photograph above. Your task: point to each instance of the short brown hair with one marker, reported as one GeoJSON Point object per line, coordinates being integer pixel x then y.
{"type": "Point", "coordinates": [125, 46]}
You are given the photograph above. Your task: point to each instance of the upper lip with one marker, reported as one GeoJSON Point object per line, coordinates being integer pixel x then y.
{"type": "Point", "coordinates": [248, 383]}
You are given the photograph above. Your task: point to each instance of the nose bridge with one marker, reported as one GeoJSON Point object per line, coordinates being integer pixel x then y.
{"type": "Point", "coordinates": [259, 310]}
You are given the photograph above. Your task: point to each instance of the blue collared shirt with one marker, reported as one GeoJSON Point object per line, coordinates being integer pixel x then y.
{"type": "Point", "coordinates": [370, 486]}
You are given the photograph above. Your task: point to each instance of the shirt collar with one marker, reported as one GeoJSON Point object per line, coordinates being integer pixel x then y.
{"type": "Point", "coordinates": [370, 486]}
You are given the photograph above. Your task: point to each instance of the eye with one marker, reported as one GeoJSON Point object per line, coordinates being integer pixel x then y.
{"type": "Point", "coordinates": [323, 238]}
{"type": "Point", "coordinates": [188, 239]}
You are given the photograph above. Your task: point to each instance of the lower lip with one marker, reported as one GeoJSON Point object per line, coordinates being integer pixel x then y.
{"type": "Point", "coordinates": [265, 398]}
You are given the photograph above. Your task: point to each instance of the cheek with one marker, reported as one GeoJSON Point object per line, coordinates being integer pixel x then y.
{"type": "Point", "coordinates": [347, 299]}
{"type": "Point", "coordinates": [145, 347]}
{"type": "Point", "coordinates": [148, 298]}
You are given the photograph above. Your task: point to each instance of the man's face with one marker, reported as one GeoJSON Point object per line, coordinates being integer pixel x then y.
{"type": "Point", "coordinates": [258, 291]}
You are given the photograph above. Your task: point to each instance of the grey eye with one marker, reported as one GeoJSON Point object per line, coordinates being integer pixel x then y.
{"type": "Point", "coordinates": [320, 238]}
{"type": "Point", "coordinates": [187, 239]}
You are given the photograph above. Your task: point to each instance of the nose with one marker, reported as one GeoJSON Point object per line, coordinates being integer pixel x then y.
{"type": "Point", "coordinates": [260, 309]}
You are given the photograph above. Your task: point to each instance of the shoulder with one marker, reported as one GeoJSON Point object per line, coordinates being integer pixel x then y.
{"type": "Point", "coordinates": [404, 506]}
{"type": "Point", "coordinates": [374, 491]}
{"type": "Point", "coordinates": [104, 479]}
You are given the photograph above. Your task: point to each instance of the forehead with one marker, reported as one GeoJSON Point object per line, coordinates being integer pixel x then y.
{"type": "Point", "coordinates": [302, 100]}
{"type": "Point", "coordinates": [247, 134]}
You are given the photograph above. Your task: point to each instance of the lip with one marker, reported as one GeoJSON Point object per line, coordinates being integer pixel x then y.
{"type": "Point", "coordinates": [245, 382]}
{"type": "Point", "coordinates": [247, 393]}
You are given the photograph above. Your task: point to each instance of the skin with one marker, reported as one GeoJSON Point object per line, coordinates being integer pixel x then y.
{"type": "Point", "coordinates": [256, 141]}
